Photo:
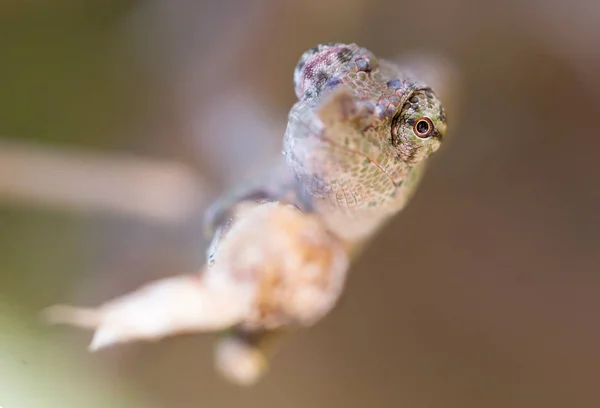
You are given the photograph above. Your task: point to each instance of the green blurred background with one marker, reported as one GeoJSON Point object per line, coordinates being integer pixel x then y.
{"type": "Point", "coordinates": [121, 120]}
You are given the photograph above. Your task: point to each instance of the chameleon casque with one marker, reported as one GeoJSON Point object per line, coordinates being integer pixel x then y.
{"type": "Point", "coordinates": [355, 148]}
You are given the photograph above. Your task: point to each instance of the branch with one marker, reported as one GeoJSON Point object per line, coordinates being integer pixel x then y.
{"type": "Point", "coordinates": [91, 182]}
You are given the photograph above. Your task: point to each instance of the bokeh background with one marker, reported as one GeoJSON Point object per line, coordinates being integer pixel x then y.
{"type": "Point", "coordinates": [121, 120]}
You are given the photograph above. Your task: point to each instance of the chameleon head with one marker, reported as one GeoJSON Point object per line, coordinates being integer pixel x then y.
{"type": "Point", "coordinates": [361, 127]}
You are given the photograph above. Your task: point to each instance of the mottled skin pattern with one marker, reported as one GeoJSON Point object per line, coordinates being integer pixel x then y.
{"type": "Point", "coordinates": [354, 149]}
{"type": "Point", "coordinates": [355, 145]}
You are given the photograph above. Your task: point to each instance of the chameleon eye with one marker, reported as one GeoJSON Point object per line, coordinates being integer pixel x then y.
{"type": "Point", "coordinates": [423, 128]}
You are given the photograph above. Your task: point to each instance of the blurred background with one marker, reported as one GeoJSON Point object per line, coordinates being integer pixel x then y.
{"type": "Point", "coordinates": [121, 120]}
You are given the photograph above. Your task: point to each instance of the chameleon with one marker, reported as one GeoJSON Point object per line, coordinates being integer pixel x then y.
{"type": "Point", "coordinates": [355, 149]}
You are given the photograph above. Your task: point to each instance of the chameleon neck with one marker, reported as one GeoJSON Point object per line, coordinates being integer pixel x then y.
{"type": "Point", "coordinates": [355, 226]}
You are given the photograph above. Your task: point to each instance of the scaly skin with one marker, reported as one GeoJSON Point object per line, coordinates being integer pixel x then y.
{"type": "Point", "coordinates": [355, 149]}
{"type": "Point", "coordinates": [351, 149]}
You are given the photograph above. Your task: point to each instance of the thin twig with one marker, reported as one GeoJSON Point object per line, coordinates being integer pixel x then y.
{"type": "Point", "coordinates": [86, 181]}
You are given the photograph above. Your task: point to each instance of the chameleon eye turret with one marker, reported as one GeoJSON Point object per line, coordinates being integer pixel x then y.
{"type": "Point", "coordinates": [419, 127]}
{"type": "Point", "coordinates": [424, 128]}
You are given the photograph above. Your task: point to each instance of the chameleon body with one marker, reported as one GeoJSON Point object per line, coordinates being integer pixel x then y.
{"type": "Point", "coordinates": [354, 151]}
{"type": "Point", "coordinates": [355, 146]}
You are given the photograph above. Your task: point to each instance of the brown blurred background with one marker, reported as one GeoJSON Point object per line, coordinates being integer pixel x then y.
{"type": "Point", "coordinates": [121, 120]}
